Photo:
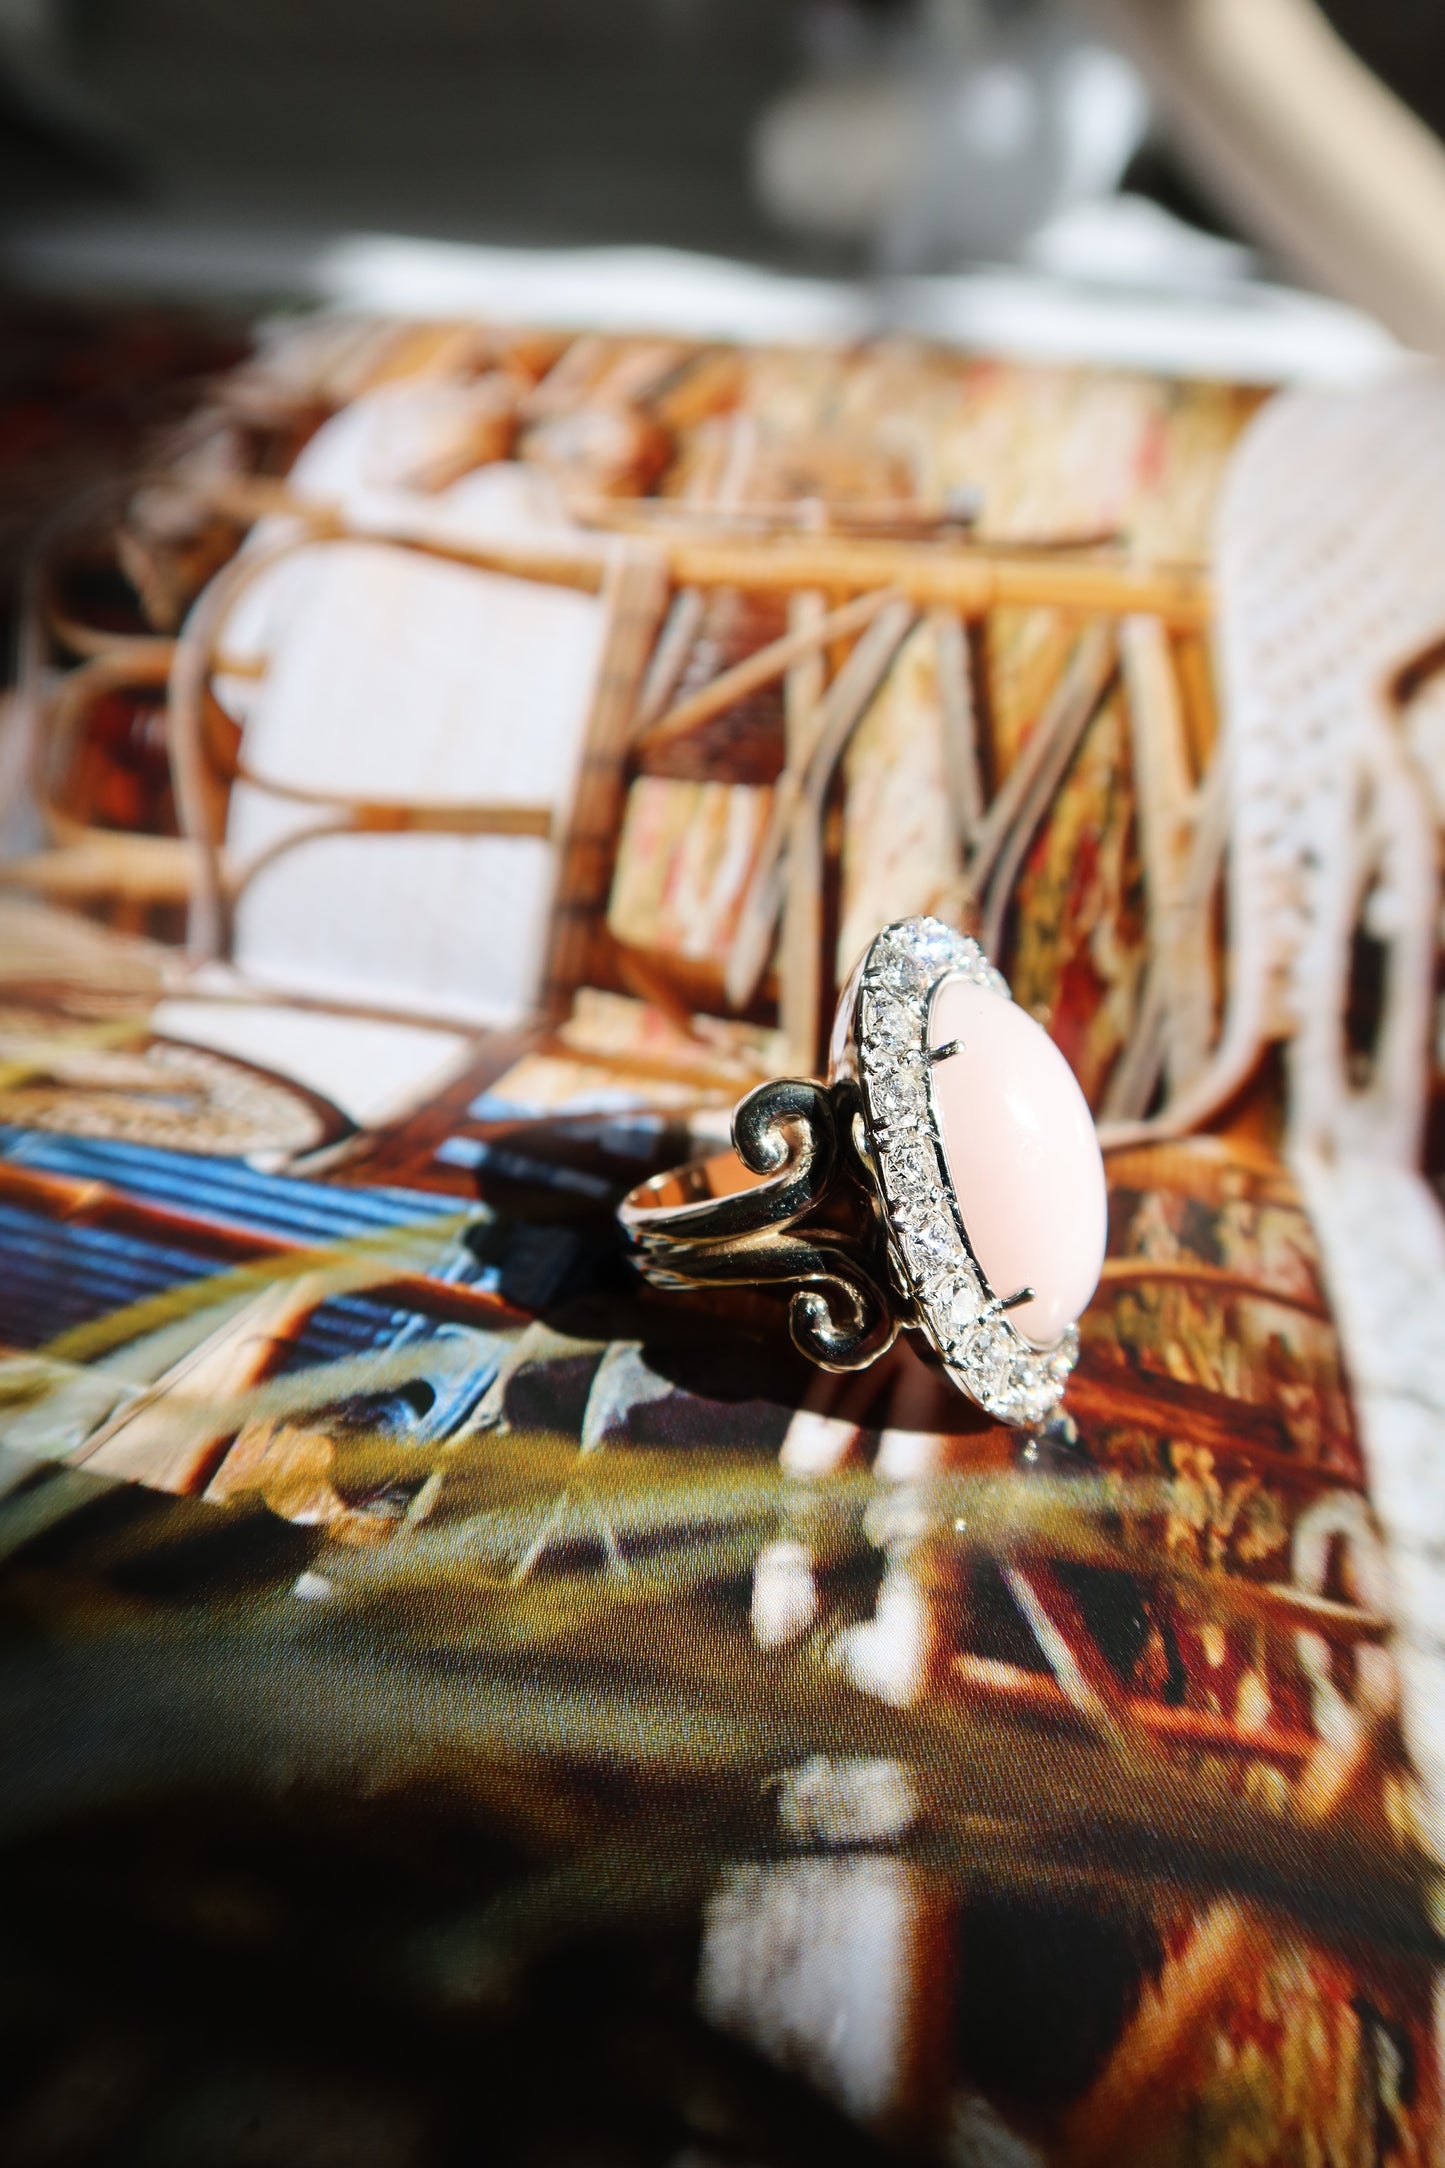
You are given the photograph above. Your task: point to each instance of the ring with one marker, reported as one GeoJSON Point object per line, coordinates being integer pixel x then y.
{"type": "Point", "coordinates": [946, 1179]}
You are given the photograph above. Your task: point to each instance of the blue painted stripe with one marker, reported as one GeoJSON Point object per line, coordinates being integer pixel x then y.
{"type": "Point", "coordinates": [226, 1189]}
{"type": "Point", "coordinates": [54, 1276]}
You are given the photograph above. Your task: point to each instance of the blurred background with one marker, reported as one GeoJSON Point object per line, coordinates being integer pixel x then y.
{"type": "Point", "coordinates": [220, 146]}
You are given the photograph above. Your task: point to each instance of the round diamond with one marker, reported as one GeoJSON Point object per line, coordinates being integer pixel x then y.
{"type": "Point", "coordinates": [1060, 1361]}
{"type": "Point", "coordinates": [891, 1025]}
{"type": "Point", "coordinates": [1038, 1396]}
{"type": "Point", "coordinates": [984, 1357]}
{"type": "Point", "coordinates": [956, 1307]}
{"type": "Point", "coordinates": [911, 1170]}
{"type": "Point", "coordinates": [1020, 1376]}
{"type": "Point", "coordinates": [896, 1095]}
{"type": "Point", "coordinates": [899, 971]}
{"type": "Point", "coordinates": [1040, 1401]}
{"type": "Point", "coordinates": [931, 1242]}
{"type": "Point", "coordinates": [940, 947]}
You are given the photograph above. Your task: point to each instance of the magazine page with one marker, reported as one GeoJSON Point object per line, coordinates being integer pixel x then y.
{"type": "Point", "coordinates": [458, 1688]}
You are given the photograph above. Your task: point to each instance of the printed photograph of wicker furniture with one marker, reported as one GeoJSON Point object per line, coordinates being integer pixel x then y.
{"type": "Point", "coordinates": [644, 648]}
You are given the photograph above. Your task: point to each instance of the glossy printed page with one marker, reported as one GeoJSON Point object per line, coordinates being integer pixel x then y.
{"type": "Point", "coordinates": [465, 1703]}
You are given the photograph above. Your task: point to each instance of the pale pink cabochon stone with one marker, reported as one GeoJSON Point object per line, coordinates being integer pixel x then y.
{"type": "Point", "coordinates": [1022, 1156]}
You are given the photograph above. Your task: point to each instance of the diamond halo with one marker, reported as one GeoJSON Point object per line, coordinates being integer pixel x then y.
{"type": "Point", "coordinates": [928, 1242]}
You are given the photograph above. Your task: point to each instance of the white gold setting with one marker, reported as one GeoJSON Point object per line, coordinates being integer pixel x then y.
{"type": "Point", "coordinates": [932, 1258]}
